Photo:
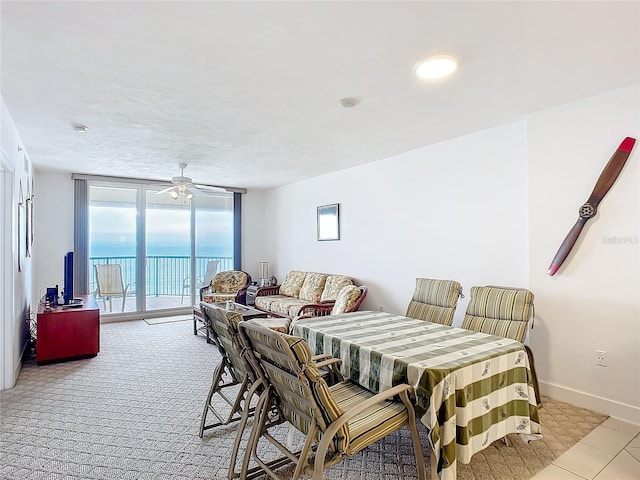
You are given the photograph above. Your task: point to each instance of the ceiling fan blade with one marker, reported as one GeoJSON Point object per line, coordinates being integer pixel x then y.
{"type": "Point", "coordinates": [168, 189]}
{"type": "Point", "coordinates": [588, 210]}
{"type": "Point", "coordinates": [208, 189]}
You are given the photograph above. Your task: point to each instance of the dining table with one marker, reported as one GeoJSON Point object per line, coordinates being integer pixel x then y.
{"type": "Point", "coordinates": [470, 388]}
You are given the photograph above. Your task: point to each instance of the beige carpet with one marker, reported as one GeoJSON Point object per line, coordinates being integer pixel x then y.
{"type": "Point", "coordinates": [133, 412]}
{"type": "Point", "coordinates": [176, 318]}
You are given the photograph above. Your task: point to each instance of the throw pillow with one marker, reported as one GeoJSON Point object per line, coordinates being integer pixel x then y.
{"type": "Point", "coordinates": [313, 287]}
{"type": "Point", "coordinates": [347, 298]}
{"type": "Point", "coordinates": [292, 283]}
{"type": "Point", "coordinates": [333, 285]}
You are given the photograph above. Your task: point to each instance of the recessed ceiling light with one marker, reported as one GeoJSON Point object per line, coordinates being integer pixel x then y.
{"type": "Point", "coordinates": [78, 127]}
{"type": "Point", "coordinates": [348, 102]}
{"type": "Point", "coordinates": [437, 66]}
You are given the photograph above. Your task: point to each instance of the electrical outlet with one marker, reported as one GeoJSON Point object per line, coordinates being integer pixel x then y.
{"type": "Point", "coordinates": [381, 308]}
{"type": "Point", "coordinates": [601, 358]}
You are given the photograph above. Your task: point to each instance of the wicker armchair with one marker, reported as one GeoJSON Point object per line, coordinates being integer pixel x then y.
{"type": "Point", "coordinates": [228, 285]}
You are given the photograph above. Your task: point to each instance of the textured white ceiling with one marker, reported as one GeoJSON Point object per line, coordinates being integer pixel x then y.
{"type": "Point", "coordinates": [247, 92]}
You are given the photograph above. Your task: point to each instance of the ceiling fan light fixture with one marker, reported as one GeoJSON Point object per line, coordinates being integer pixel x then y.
{"type": "Point", "coordinates": [436, 66]}
{"type": "Point", "coordinates": [173, 194]}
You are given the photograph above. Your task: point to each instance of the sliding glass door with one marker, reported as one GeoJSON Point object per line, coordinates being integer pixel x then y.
{"type": "Point", "coordinates": [113, 261]}
{"type": "Point", "coordinates": [150, 252]}
{"type": "Point", "coordinates": [167, 250]}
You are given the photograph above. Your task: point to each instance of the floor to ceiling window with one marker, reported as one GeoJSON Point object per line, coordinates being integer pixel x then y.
{"type": "Point", "coordinates": [151, 252]}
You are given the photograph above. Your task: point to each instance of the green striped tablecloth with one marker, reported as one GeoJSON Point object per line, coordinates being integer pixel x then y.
{"type": "Point", "coordinates": [471, 388]}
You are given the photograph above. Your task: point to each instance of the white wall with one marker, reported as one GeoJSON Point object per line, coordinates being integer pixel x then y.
{"type": "Point", "coordinates": [16, 299]}
{"type": "Point", "coordinates": [54, 220]}
{"type": "Point", "coordinates": [592, 303]}
{"type": "Point", "coordinates": [253, 233]}
{"type": "Point", "coordinates": [492, 208]}
{"type": "Point", "coordinates": [455, 210]}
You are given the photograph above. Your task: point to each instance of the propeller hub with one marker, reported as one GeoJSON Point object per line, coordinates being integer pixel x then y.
{"type": "Point", "coordinates": [587, 211]}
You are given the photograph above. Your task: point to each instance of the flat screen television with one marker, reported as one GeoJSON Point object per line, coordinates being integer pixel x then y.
{"type": "Point", "coordinates": [68, 277]}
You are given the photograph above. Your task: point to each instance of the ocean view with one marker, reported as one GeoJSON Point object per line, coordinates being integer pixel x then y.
{"type": "Point", "coordinates": [158, 250]}
{"type": "Point", "coordinates": [113, 232]}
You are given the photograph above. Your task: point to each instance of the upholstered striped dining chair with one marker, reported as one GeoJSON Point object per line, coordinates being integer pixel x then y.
{"type": "Point", "coordinates": [222, 325]}
{"type": "Point", "coordinates": [505, 312]}
{"type": "Point", "coordinates": [434, 300]}
{"type": "Point", "coordinates": [340, 420]}
{"type": "Point", "coordinates": [234, 369]}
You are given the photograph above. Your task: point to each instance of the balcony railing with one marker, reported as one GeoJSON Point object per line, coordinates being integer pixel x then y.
{"type": "Point", "coordinates": [166, 275]}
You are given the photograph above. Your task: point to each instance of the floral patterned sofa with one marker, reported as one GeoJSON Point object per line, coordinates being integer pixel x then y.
{"type": "Point", "coordinates": [227, 285]}
{"type": "Point", "coordinates": [310, 294]}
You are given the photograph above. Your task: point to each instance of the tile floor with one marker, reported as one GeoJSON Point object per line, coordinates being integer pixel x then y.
{"type": "Point", "coordinates": [610, 452]}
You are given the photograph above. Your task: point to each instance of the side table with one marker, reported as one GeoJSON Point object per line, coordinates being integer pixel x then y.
{"type": "Point", "coordinates": [199, 327]}
{"type": "Point", "coordinates": [66, 333]}
{"type": "Point", "coordinates": [252, 292]}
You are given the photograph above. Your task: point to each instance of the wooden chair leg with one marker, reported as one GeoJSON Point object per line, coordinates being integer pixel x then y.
{"type": "Point", "coordinates": [536, 387]}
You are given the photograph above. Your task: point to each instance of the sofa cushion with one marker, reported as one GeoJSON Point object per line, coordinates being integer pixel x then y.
{"type": "Point", "coordinates": [294, 310]}
{"type": "Point", "coordinates": [263, 302]}
{"type": "Point", "coordinates": [292, 283]}
{"type": "Point", "coordinates": [347, 298]}
{"type": "Point", "coordinates": [218, 297]}
{"type": "Point", "coordinates": [313, 287]}
{"type": "Point", "coordinates": [333, 285]}
{"type": "Point", "coordinates": [281, 306]}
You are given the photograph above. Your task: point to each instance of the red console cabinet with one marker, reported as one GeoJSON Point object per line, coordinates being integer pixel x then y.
{"type": "Point", "coordinates": [68, 333]}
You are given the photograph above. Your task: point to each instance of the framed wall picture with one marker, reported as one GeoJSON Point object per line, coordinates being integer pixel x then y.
{"type": "Point", "coordinates": [329, 222]}
{"type": "Point", "coordinates": [22, 228]}
{"type": "Point", "coordinates": [28, 221]}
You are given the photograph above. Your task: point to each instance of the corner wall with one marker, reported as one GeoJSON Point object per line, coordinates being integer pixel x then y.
{"type": "Point", "coordinates": [592, 303]}
{"type": "Point", "coordinates": [54, 219]}
{"type": "Point", "coordinates": [17, 302]}
{"type": "Point", "coordinates": [492, 208]}
{"type": "Point", "coordinates": [455, 210]}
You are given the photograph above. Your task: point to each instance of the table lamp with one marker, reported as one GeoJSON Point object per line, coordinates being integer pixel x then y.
{"type": "Point", "coordinates": [264, 274]}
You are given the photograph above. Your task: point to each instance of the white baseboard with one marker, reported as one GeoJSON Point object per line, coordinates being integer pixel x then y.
{"type": "Point", "coordinates": [606, 406]}
{"type": "Point", "coordinates": [18, 366]}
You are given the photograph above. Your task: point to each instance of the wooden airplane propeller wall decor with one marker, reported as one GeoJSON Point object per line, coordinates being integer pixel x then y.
{"type": "Point", "coordinates": [588, 210]}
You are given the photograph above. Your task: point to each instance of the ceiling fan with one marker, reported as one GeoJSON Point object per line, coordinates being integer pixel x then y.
{"type": "Point", "coordinates": [184, 186]}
